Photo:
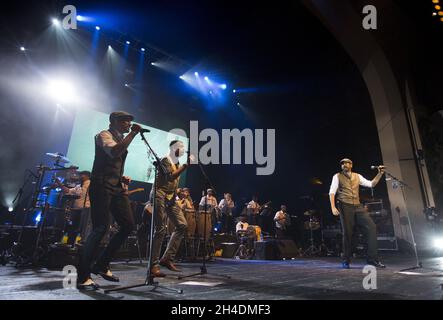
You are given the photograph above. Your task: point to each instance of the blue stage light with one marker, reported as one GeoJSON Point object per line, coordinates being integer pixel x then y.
{"type": "Point", "coordinates": [196, 74]}
{"type": "Point", "coordinates": [22, 49]}
{"type": "Point", "coordinates": [128, 42]}
{"type": "Point", "coordinates": [55, 22]}
{"type": "Point", "coordinates": [234, 91]}
{"type": "Point", "coordinates": [142, 49]}
{"type": "Point", "coordinates": [207, 79]}
{"type": "Point", "coordinates": [80, 18]}
{"type": "Point", "coordinates": [97, 28]}
{"type": "Point", "coordinates": [223, 86]}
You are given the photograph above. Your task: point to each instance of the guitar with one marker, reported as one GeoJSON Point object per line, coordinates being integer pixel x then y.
{"type": "Point", "coordinates": [135, 190]}
{"type": "Point", "coordinates": [259, 209]}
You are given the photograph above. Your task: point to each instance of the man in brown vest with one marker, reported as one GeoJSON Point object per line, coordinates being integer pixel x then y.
{"type": "Point", "coordinates": [346, 185]}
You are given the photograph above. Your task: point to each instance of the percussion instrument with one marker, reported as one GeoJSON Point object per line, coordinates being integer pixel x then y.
{"type": "Point", "coordinates": [312, 224]}
{"type": "Point", "coordinates": [200, 222]}
{"type": "Point", "coordinates": [192, 223]}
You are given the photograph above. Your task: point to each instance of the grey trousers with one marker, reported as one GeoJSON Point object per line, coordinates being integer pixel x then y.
{"type": "Point", "coordinates": [165, 209]}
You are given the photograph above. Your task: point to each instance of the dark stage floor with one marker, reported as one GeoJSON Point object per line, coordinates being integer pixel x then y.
{"type": "Point", "coordinates": [307, 278]}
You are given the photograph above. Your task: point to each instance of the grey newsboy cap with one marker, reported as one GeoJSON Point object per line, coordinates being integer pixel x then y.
{"type": "Point", "coordinates": [120, 115]}
{"type": "Point", "coordinates": [345, 160]}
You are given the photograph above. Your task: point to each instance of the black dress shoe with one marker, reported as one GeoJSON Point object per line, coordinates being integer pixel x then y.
{"type": "Point", "coordinates": [376, 264]}
{"type": "Point", "coordinates": [88, 287]}
{"type": "Point", "coordinates": [105, 276]}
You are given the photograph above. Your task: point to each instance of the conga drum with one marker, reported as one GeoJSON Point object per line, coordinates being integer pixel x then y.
{"type": "Point", "coordinates": [201, 218]}
{"type": "Point", "coordinates": [190, 219]}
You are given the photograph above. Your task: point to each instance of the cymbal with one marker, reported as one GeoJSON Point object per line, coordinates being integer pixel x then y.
{"type": "Point", "coordinates": [310, 213]}
{"type": "Point", "coordinates": [58, 156]}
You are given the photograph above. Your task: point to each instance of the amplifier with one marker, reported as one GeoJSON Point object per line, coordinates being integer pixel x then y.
{"type": "Point", "coordinates": [387, 243]}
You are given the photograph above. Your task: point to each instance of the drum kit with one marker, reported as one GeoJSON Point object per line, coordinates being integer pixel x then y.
{"type": "Point", "coordinates": [313, 224]}
{"type": "Point", "coordinates": [49, 213]}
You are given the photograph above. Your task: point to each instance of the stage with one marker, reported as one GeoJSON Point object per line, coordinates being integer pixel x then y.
{"type": "Point", "coordinates": [299, 279]}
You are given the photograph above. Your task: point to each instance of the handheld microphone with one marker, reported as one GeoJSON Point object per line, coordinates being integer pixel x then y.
{"type": "Point", "coordinates": [378, 167]}
{"type": "Point", "coordinates": [142, 130]}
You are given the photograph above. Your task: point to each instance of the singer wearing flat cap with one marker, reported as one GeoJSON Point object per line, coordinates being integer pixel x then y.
{"type": "Point", "coordinates": [108, 196]}
{"type": "Point", "coordinates": [344, 190]}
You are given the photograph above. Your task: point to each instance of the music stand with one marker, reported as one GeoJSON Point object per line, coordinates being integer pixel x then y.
{"type": "Point", "coordinates": [149, 281]}
{"type": "Point", "coordinates": [203, 269]}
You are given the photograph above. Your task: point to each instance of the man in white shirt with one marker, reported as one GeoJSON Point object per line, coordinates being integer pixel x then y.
{"type": "Point", "coordinates": [208, 202]}
{"type": "Point", "coordinates": [242, 225]}
{"type": "Point", "coordinates": [226, 206]}
{"type": "Point", "coordinates": [281, 222]}
{"type": "Point", "coordinates": [108, 197]}
{"type": "Point", "coordinates": [253, 210]}
{"type": "Point", "coordinates": [346, 185]}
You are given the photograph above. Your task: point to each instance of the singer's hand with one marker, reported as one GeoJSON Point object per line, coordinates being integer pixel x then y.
{"type": "Point", "coordinates": [135, 128]}
{"type": "Point", "coordinates": [335, 212]}
{"type": "Point", "coordinates": [126, 180]}
{"type": "Point", "coordinates": [381, 169]}
{"type": "Point", "coordinates": [191, 158]}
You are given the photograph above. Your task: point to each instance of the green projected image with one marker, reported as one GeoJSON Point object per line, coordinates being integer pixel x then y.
{"type": "Point", "coordinates": [138, 164]}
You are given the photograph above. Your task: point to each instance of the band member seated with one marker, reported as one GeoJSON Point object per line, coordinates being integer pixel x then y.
{"type": "Point", "coordinates": [282, 222]}
{"type": "Point", "coordinates": [253, 210]}
{"type": "Point", "coordinates": [226, 206]}
{"type": "Point", "coordinates": [108, 197]}
{"type": "Point", "coordinates": [166, 207]}
{"type": "Point", "coordinates": [244, 232]}
{"type": "Point", "coordinates": [80, 209]}
{"type": "Point", "coordinates": [346, 185]}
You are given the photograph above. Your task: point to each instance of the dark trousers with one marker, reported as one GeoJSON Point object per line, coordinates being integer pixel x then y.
{"type": "Point", "coordinates": [280, 233]}
{"type": "Point", "coordinates": [351, 215]}
{"type": "Point", "coordinates": [104, 202]}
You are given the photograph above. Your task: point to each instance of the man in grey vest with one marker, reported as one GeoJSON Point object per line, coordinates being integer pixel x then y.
{"type": "Point", "coordinates": [108, 196]}
{"type": "Point", "coordinates": [345, 189]}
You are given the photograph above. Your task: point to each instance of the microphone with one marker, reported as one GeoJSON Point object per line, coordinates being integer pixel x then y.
{"type": "Point", "coordinates": [378, 167]}
{"type": "Point", "coordinates": [142, 130]}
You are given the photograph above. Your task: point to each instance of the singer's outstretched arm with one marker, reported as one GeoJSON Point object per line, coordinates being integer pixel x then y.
{"type": "Point", "coordinates": [371, 184]}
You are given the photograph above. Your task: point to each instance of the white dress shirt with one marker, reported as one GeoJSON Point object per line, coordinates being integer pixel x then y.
{"type": "Point", "coordinates": [106, 141]}
{"type": "Point", "coordinates": [241, 226]}
{"type": "Point", "coordinates": [335, 183]}
{"type": "Point", "coordinates": [82, 192]}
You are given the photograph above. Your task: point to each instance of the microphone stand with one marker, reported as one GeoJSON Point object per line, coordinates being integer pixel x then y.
{"type": "Point", "coordinates": [149, 281]}
{"type": "Point", "coordinates": [399, 183]}
{"type": "Point", "coordinates": [203, 269]}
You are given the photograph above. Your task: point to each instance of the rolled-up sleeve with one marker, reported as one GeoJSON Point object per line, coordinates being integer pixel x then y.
{"type": "Point", "coordinates": [334, 185]}
{"type": "Point", "coordinates": [365, 182]}
{"type": "Point", "coordinates": [106, 141]}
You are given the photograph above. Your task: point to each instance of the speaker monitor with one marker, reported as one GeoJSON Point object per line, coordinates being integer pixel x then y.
{"type": "Point", "coordinates": [265, 250]}
{"type": "Point", "coordinates": [286, 249]}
